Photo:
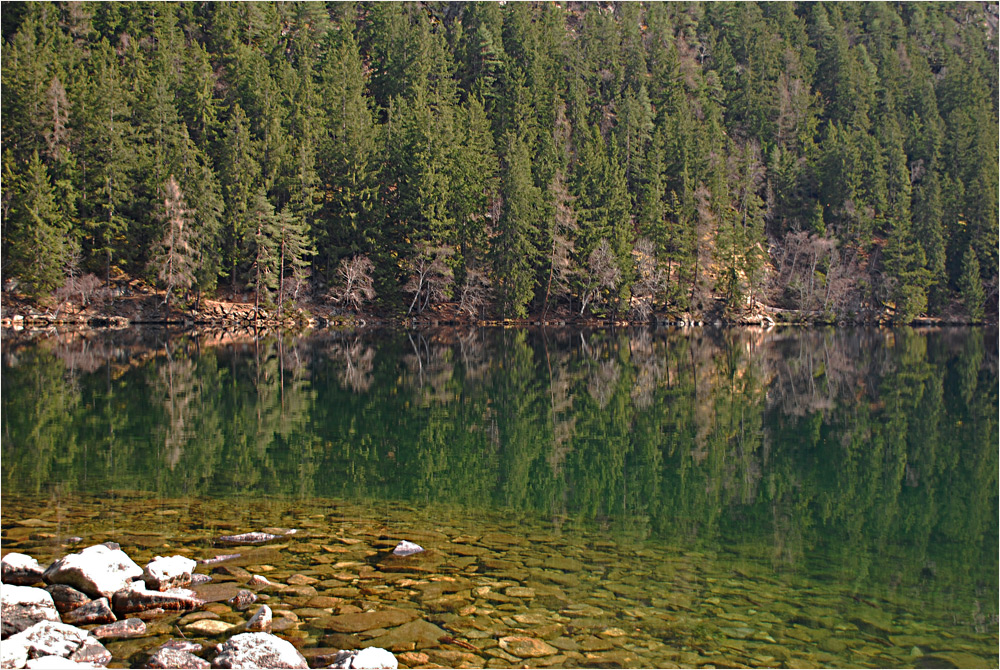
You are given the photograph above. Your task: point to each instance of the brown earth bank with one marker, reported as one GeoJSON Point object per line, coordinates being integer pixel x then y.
{"type": "Point", "coordinates": [135, 303]}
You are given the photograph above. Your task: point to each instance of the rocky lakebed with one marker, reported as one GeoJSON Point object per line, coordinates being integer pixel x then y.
{"type": "Point", "coordinates": [133, 580]}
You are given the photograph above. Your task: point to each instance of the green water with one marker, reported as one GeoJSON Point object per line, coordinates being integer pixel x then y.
{"type": "Point", "coordinates": [653, 498]}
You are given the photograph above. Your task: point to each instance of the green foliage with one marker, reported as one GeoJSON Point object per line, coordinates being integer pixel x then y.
{"type": "Point", "coordinates": [383, 127]}
{"type": "Point", "coordinates": [41, 243]}
{"type": "Point", "coordinates": [971, 286]}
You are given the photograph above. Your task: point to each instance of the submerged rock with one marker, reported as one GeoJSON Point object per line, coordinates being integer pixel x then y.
{"type": "Point", "coordinates": [96, 611]}
{"type": "Point", "coordinates": [247, 538]}
{"type": "Point", "coordinates": [209, 627]}
{"type": "Point", "coordinates": [371, 658]}
{"type": "Point", "coordinates": [67, 598]}
{"type": "Point", "coordinates": [413, 635]}
{"type": "Point", "coordinates": [176, 658]}
{"type": "Point", "coordinates": [258, 650]}
{"type": "Point", "coordinates": [362, 621]}
{"type": "Point", "coordinates": [259, 582]}
{"type": "Point", "coordinates": [137, 598]}
{"type": "Point", "coordinates": [164, 573]}
{"type": "Point", "coordinates": [21, 607]}
{"type": "Point", "coordinates": [20, 570]}
{"type": "Point", "coordinates": [118, 629]}
{"type": "Point", "coordinates": [526, 647]}
{"type": "Point", "coordinates": [407, 548]}
{"type": "Point", "coordinates": [219, 559]}
{"type": "Point", "coordinates": [97, 571]}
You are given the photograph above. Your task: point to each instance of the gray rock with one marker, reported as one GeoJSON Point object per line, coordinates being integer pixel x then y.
{"type": "Point", "coordinates": [170, 572]}
{"type": "Point", "coordinates": [67, 598]}
{"type": "Point", "coordinates": [137, 598]}
{"type": "Point", "coordinates": [258, 650]}
{"type": "Point", "coordinates": [23, 606]}
{"type": "Point", "coordinates": [20, 570]}
{"type": "Point", "coordinates": [371, 658]}
{"type": "Point", "coordinates": [261, 620]}
{"type": "Point", "coordinates": [97, 571]}
{"type": "Point", "coordinates": [49, 638]}
{"type": "Point", "coordinates": [120, 629]}
{"type": "Point", "coordinates": [175, 658]}
{"type": "Point", "coordinates": [96, 611]}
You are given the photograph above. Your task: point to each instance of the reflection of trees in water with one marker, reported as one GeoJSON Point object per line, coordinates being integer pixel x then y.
{"type": "Point", "coordinates": [861, 435]}
{"type": "Point", "coordinates": [431, 369]}
{"type": "Point", "coordinates": [176, 384]}
{"type": "Point", "coordinates": [358, 359]}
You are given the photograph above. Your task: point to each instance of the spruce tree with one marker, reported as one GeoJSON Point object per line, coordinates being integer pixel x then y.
{"type": "Point", "coordinates": [970, 285]}
{"type": "Point", "coordinates": [38, 236]}
{"type": "Point", "coordinates": [513, 249]}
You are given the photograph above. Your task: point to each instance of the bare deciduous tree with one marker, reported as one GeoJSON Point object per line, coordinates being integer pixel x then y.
{"type": "Point", "coordinates": [604, 274]}
{"type": "Point", "coordinates": [651, 279]}
{"type": "Point", "coordinates": [475, 292]}
{"type": "Point", "coordinates": [356, 285]}
{"type": "Point", "coordinates": [429, 279]}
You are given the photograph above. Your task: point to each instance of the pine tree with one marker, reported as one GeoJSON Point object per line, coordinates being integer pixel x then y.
{"type": "Point", "coordinates": [970, 285]}
{"type": "Point", "coordinates": [294, 248]}
{"type": "Point", "coordinates": [264, 248]}
{"type": "Point", "coordinates": [239, 174]}
{"type": "Point", "coordinates": [513, 249]}
{"type": "Point", "coordinates": [38, 239]}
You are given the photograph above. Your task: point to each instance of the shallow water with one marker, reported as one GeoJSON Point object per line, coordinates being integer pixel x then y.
{"type": "Point", "coordinates": [640, 499]}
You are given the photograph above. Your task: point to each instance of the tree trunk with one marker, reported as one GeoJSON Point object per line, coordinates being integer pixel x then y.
{"type": "Point", "coordinates": [281, 273]}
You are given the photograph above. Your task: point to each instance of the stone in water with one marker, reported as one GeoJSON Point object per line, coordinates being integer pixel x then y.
{"type": "Point", "coordinates": [407, 548]}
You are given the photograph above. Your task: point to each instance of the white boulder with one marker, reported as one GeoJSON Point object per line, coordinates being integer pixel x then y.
{"type": "Point", "coordinates": [23, 606]}
{"type": "Point", "coordinates": [164, 573]}
{"type": "Point", "coordinates": [97, 571]}
{"type": "Point", "coordinates": [258, 650]}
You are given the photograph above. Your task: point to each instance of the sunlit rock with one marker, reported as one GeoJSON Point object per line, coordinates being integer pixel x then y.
{"type": "Point", "coordinates": [23, 606]}
{"type": "Point", "coordinates": [137, 598]}
{"type": "Point", "coordinates": [120, 629]}
{"type": "Point", "coordinates": [163, 573]}
{"type": "Point", "coordinates": [258, 650]}
{"type": "Point", "coordinates": [20, 570]}
{"type": "Point", "coordinates": [48, 638]}
{"type": "Point", "coordinates": [407, 548]}
{"type": "Point", "coordinates": [176, 658]}
{"type": "Point", "coordinates": [261, 620]}
{"type": "Point", "coordinates": [371, 658]}
{"type": "Point", "coordinates": [97, 571]}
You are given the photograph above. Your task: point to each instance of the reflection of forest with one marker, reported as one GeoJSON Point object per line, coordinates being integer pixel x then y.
{"type": "Point", "coordinates": [857, 444]}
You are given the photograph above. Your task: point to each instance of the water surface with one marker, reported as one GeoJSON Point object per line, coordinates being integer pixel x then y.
{"type": "Point", "coordinates": [654, 498]}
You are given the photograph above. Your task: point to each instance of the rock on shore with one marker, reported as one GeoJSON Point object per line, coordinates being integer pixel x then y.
{"type": "Point", "coordinates": [98, 571]}
{"type": "Point", "coordinates": [23, 606]}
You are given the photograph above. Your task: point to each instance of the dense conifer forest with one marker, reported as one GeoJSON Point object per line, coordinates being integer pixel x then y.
{"type": "Point", "coordinates": [596, 159]}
